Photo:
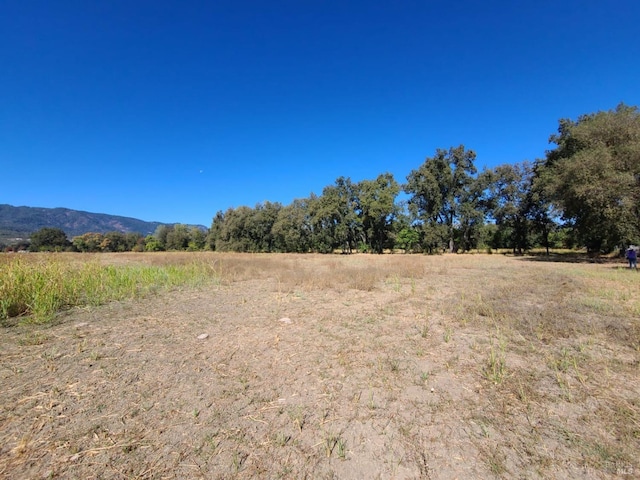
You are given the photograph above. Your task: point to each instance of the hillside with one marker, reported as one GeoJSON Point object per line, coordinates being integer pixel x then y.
{"type": "Point", "coordinates": [20, 222]}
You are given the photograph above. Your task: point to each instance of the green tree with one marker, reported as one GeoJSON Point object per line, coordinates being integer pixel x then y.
{"type": "Point", "coordinates": [259, 225]}
{"type": "Point", "coordinates": [335, 215]}
{"type": "Point", "coordinates": [468, 231]}
{"type": "Point", "coordinates": [541, 211]}
{"type": "Point", "coordinates": [88, 242]}
{"type": "Point", "coordinates": [133, 242]}
{"type": "Point", "coordinates": [323, 221]}
{"type": "Point", "coordinates": [407, 238]}
{"type": "Point", "coordinates": [292, 230]}
{"type": "Point", "coordinates": [233, 235]}
{"type": "Point", "coordinates": [160, 236]}
{"type": "Point", "coordinates": [486, 236]}
{"type": "Point", "coordinates": [217, 224]}
{"type": "Point", "coordinates": [507, 200]}
{"type": "Point", "coordinates": [593, 175]}
{"type": "Point", "coordinates": [197, 239]}
{"type": "Point", "coordinates": [49, 239]}
{"type": "Point", "coordinates": [151, 244]}
{"type": "Point", "coordinates": [114, 242]}
{"type": "Point", "coordinates": [376, 208]}
{"type": "Point", "coordinates": [439, 190]}
{"type": "Point", "coordinates": [177, 237]}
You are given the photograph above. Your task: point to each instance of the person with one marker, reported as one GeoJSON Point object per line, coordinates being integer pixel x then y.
{"type": "Point", "coordinates": [632, 257]}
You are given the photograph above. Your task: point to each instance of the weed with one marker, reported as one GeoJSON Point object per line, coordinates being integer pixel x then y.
{"type": "Point", "coordinates": [82, 346]}
{"type": "Point", "coordinates": [371, 404]}
{"type": "Point", "coordinates": [210, 439]}
{"type": "Point", "coordinates": [237, 460]}
{"type": "Point", "coordinates": [128, 448]}
{"type": "Point", "coordinates": [51, 354]}
{"type": "Point", "coordinates": [281, 439]}
{"type": "Point", "coordinates": [424, 331]}
{"type": "Point", "coordinates": [564, 386]}
{"type": "Point", "coordinates": [333, 441]}
{"type": "Point", "coordinates": [565, 361]}
{"type": "Point", "coordinates": [496, 461]}
{"type": "Point", "coordinates": [522, 394]}
{"type": "Point", "coordinates": [298, 416]}
{"type": "Point", "coordinates": [495, 369]}
{"type": "Point", "coordinates": [397, 285]}
{"type": "Point", "coordinates": [394, 365]}
{"type": "Point", "coordinates": [285, 472]}
{"type": "Point", "coordinates": [447, 334]}
{"type": "Point", "coordinates": [342, 448]}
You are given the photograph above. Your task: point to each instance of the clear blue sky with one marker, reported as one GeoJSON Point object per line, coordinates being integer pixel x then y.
{"type": "Point", "coordinates": [172, 110]}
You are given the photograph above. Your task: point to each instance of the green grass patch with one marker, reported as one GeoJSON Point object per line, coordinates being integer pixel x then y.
{"type": "Point", "coordinates": [38, 290]}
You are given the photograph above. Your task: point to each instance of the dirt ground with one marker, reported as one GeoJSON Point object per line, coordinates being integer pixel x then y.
{"type": "Point", "coordinates": [335, 367]}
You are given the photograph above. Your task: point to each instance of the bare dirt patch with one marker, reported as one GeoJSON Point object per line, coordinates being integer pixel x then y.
{"type": "Point", "coordinates": [397, 367]}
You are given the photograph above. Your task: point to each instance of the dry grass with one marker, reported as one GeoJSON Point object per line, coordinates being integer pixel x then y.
{"type": "Point", "coordinates": [397, 366]}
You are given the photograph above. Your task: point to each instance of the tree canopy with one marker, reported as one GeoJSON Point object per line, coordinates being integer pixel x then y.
{"type": "Point", "coordinates": [49, 239]}
{"type": "Point", "coordinates": [441, 191]}
{"type": "Point", "coordinates": [593, 175]}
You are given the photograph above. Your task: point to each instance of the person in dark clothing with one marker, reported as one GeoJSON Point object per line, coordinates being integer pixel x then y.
{"type": "Point", "coordinates": [632, 257]}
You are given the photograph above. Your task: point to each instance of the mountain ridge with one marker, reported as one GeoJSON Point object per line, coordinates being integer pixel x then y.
{"type": "Point", "coordinates": [18, 223]}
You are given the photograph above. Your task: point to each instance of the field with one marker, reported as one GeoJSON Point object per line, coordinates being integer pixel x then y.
{"type": "Point", "coordinates": [324, 367]}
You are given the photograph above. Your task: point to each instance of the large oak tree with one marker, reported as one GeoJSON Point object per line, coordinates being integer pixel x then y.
{"type": "Point", "coordinates": [441, 189]}
{"type": "Point", "coordinates": [593, 175]}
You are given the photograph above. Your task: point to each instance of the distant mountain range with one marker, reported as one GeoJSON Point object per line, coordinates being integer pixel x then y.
{"type": "Point", "coordinates": [21, 222]}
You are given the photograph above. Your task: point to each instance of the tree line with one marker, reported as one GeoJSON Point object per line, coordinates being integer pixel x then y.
{"type": "Point", "coordinates": [449, 207]}
{"type": "Point", "coordinates": [166, 237]}
{"type": "Point", "coordinates": [585, 192]}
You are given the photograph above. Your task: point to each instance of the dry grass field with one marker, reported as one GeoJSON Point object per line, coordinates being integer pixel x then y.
{"type": "Point", "coordinates": [334, 367]}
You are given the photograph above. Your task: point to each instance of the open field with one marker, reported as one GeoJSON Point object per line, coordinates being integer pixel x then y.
{"type": "Point", "coordinates": [331, 367]}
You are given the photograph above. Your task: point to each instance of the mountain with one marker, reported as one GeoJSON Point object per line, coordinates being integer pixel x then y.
{"type": "Point", "coordinates": [20, 222]}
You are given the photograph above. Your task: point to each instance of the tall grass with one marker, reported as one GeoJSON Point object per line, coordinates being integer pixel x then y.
{"type": "Point", "coordinates": [39, 289]}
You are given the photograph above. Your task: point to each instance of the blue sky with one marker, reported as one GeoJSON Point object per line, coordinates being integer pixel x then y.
{"type": "Point", "coordinates": [172, 110]}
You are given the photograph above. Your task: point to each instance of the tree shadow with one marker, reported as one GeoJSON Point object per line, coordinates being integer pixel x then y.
{"type": "Point", "coordinates": [572, 257]}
